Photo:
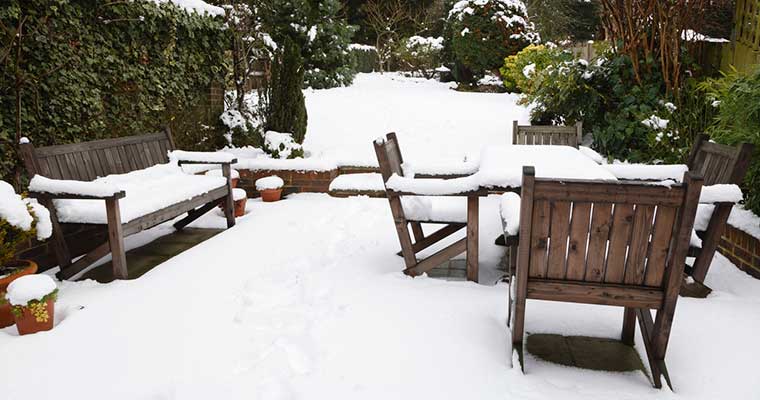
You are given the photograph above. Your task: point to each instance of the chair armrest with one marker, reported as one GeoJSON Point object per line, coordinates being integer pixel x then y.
{"type": "Point", "coordinates": [41, 187]}
{"type": "Point", "coordinates": [465, 186]}
{"type": "Point", "coordinates": [720, 194]}
{"type": "Point", "coordinates": [644, 172]}
{"type": "Point", "coordinates": [201, 157]}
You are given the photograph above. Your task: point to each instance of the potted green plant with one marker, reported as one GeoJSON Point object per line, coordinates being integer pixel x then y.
{"type": "Point", "coordinates": [21, 220]}
{"type": "Point", "coordinates": [270, 188]}
{"type": "Point", "coordinates": [32, 299]}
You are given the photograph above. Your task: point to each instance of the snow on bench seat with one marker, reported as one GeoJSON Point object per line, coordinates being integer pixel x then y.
{"type": "Point", "coordinates": [147, 190]}
{"type": "Point", "coordinates": [435, 208]}
{"type": "Point", "coordinates": [365, 182]}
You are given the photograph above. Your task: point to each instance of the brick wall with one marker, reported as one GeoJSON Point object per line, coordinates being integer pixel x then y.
{"type": "Point", "coordinates": [742, 249]}
{"type": "Point", "coordinates": [295, 181]}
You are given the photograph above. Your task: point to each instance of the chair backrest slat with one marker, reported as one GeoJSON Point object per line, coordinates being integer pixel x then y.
{"type": "Point", "coordinates": [719, 163]}
{"type": "Point", "coordinates": [605, 232]}
{"type": "Point", "coordinates": [547, 134]}
{"type": "Point", "coordinates": [87, 161]}
{"type": "Point", "coordinates": [389, 156]}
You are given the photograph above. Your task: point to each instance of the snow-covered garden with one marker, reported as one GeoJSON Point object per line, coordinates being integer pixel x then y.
{"type": "Point", "coordinates": [291, 148]}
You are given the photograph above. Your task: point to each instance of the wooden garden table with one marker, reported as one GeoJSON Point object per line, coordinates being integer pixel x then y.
{"type": "Point", "coordinates": [501, 168]}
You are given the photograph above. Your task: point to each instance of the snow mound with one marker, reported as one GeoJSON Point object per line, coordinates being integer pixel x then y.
{"type": "Point", "coordinates": [234, 174]}
{"type": "Point", "coordinates": [358, 182]}
{"type": "Point", "coordinates": [509, 208]}
{"type": "Point", "coordinates": [201, 156]}
{"type": "Point", "coordinates": [15, 210]}
{"type": "Point", "coordinates": [432, 186]}
{"type": "Point", "coordinates": [29, 287]}
{"type": "Point", "coordinates": [270, 182]}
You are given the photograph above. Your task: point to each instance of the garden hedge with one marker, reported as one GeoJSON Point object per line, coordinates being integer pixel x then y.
{"type": "Point", "coordinates": [87, 69]}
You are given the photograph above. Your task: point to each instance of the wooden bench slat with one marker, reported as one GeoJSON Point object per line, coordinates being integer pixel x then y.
{"type": "Point", "coordinates": [622, 222]}
{"type": "Point", "coordinates": [539, 242]}
{"type": "Point", "coordinates": [660, 246]}
{"type": "Point", "coordinates": [640, 233]}
{"type": "Point", "coordinates": [579, 235]}
{"type": "Point", "coordinates": [601, 224]}
{"type": "Point", "coordinates": [558, 234]}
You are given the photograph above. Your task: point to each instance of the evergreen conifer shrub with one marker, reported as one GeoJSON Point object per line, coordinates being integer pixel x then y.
{"type": "Point", "coordinates": [285, 103]}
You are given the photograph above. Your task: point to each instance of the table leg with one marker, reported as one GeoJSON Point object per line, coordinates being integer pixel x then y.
{"type": "Point", "coordinates": [472, 237]}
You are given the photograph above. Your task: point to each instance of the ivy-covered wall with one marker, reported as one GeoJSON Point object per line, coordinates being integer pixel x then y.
{"type": "Point", "coordinates": [79, 70]}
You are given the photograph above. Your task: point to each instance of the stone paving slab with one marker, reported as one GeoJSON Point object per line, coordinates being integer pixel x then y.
{"type": "Point", "coordinates": [143, 259]}
{"type": "Point", "coordinates": [593, 353]}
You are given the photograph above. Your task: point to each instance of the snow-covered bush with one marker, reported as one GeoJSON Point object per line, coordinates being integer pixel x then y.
{"type": "Point", "coordinates": [420, 54]}
{"type": "Point", "coordinates": [21, 219]}
{"type": "Point", "coordinates": [521, 71]}
{"type": "Point", "coordinates": [365, 57]}
{"type": "Point", "coordinates": [481, 33]}
{"type": "Point", "coordinates": [242, 128]}
{"type": "Point", "coordinates": [282, 145]}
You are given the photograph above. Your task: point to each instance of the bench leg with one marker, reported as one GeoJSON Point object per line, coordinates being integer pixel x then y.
{"type": "Point", "coordinates": [229, 211]}
{"type": "Point", "coordinates": [60, 248]}
{"type": "Point", "coordinates": [116, 240]}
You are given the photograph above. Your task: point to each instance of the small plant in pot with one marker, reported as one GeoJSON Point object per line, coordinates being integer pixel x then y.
{"type": "Point", "coordinates": [270, 188]}
{"type": "Point", "coordinates": [21, 220]}
{"type": "Point", "coordinates": [234, 175]}
{"type": "Point", "coordinates": [239, 198]}
{"type": "Point", "coordinates": [32, 299]}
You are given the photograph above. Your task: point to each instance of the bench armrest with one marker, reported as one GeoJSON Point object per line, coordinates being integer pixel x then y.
{"type": "Point", "coordinates": [465, 186]}
{"type": "Point", "coordinates": [41, 187]}
{"type": "Point", "coordinates": [201, 157]}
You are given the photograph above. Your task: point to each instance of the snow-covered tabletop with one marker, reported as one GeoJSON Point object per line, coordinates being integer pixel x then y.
{"type": "Point", "coordinates": [502, 166]}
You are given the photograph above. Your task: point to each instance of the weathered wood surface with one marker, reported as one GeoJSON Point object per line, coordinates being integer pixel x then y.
{"type": "Point", "coordinates": [547, 134]}
{"type": "Point", "coordinates": [414, 240]}
{"type": "Point", "coordinates": [718, 164]}
{"type": "Point", "coordinates": [89, 160]}
{"type": "Point", "coordinates": [606, 243]}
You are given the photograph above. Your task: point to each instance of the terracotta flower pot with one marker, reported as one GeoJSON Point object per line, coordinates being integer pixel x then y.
{"type": "Point", "coordinates": [26, 267]}
{"type": "Point", "coordinates": [240, 207]}
{"type": "Point", "coordinates": [270, 195]}
{"type": "Point", "coordinates": [36, 318]}
{"type": "Point", "coordinates": [235, 182]}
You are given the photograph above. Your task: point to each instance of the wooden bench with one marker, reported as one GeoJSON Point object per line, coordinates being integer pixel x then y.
{"type": "Point", "coordinates": [719, 164]}
{"type": "Point", "coordinates": [606, 243]}
{"type": "Point", "coordinates": [88, 161]}
{"type": "Point", "coordinates": [547, 134]}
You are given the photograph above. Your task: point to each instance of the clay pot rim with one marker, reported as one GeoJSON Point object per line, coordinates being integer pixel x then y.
{"type": "Point", "coordinates": [24, 267]}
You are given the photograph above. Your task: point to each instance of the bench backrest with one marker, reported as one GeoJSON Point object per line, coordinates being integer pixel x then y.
{"type": "Point", "coordinates": [547, 134]}
{"type": "Point", "coordinates": [389, 156]}
{"type": "Point", "coordinates": [719, 163]}
{"type": "Point", "coordinates": [87, 161]}
{"type": "Point", "coordinates": [606, 236]}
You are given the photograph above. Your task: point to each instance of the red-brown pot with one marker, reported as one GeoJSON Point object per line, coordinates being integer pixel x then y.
{"type": "Point", "coordinates": [27, 268]}
{"type": "Point", "coordinates": [239, 206]}
{"type": "Point", "coordinates": [235, 182]}
{"type": "Point", "coordinates": [270, 195]}
{"type": "Point", "coordinates": [28, 324]}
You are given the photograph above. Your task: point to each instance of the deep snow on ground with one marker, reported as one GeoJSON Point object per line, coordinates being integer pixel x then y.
{"type": "Point", "coordinates": [433, 121]}
{"type": "Point", "coordinates": [297, 304]}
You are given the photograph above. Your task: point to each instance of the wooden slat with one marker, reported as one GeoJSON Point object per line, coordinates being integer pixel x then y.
{"type": "Point", "coordinates": [49, 168]}
{"type": "Point", "coordinates": [473, 205]}
{"type": "Point", "coordinates": [436, 259]}
{"type": "Point", "coordinates": [601, 224]}
{"type": "Point", "coordinates": [126, 161]}
{"type": "Point", "coordinates": [579, 234]}
{"type": "Point", "coordinates": [622, 192]}
{"type": "Point", "coordinates": [637, 251]}
{"type": "Point", "coordinates": [63, 167]}
{"type": "Point", "coordinates": [559, 231]}
{"type": "Point", "coordinates": [658, 249]}
{"type": "Point", "coordinates": [173, 211]}
{"type": "Point", "coordinates": [622, 221]}
{"type": "Point", "coordinates": [97, 144]}
{"type": "Point", "coordinates": [603, 294]}
{"type": "Point", "coordinates": [539, 240]}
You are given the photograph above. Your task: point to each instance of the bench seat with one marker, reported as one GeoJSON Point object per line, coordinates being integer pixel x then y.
{"type": "Point", "coordinates": [147, 191]}
{"type": "Point", "coordinates": [435, 208]}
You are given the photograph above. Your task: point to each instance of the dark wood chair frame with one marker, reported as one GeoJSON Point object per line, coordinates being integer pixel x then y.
{"type": "Point", "coordinates": [627, 252]}
{"type": "Point", "coordinates": [389, 158]}
{"type": "Point", "coordinates": [547, 134]}
{"type": "Point", "coordinates": [718, 164]}
{"type": "Point", "coordinates": [87, 161]}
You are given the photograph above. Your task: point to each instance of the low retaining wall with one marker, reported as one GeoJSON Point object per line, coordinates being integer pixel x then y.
{"type": "Point", "coordinates": [295, 181]}
{"type": "Point", "coordinates": [742, 249]}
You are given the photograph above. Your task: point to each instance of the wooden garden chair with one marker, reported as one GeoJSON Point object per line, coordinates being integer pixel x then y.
{"type": "Point", "coordinates": [606, 243]}
{"type": "Point", "coordinates": [718, 164]}
{"type": "Point", "coordinates": [547, 134]}
{"type": "Point", "coordinates": [455, 211]}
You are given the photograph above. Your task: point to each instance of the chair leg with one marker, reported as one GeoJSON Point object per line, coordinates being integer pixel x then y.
{"type": "Point", "coordinates": [656, 365]}
{"type": "Point", "coordinates": [629, 326]}
{"type": "Point", "coordinates": [518, 326]}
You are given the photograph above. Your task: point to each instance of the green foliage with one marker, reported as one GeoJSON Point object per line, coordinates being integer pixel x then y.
{"type": "Point", "coordinates": [11, 237]}
{"type": "Point", "coordinates": [559, 20]}
{"type": "Point", "coordinates": [519, 76]}
{"type": "Point", "coordinates": [285, 104]}
{"type": "Point", "coordinates": [37, 307]}
{"type": "Point", "coordinates": [85, 70]}
{"type": "Point", "coordinates": [737, 120]}
{"type": "Point", "coordinates": [480, 34]}
{"type": "Point", "coordinates": [420, 54]}
{"type": "Point", "coordinates": [365, 58]}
